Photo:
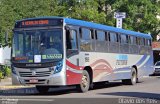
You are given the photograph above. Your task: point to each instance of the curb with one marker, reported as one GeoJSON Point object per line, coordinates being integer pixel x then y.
{"type": "Point", "coordinates": [5, 80]}
{"type": "Point", "coordinates": [13, 87]}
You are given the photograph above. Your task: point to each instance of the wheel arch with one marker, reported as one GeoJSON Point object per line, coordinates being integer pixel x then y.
{"type": "Point", "coordinates": [135, 67]}
{"type": "Point", "coordinates": [90, 72]}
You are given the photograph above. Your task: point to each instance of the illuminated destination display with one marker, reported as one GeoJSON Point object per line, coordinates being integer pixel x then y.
{"type": "Point", "coordinates": [39, 23]}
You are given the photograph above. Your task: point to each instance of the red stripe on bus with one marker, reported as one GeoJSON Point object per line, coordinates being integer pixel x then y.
{"type": "Point", "coordinates": [99, 61]}
{"type": "Point", "coordinates": [73, 78]}
{"type": "Point", "coordinates": [73, 66]}
{"type": "Point", "coordinates": [100, 69]}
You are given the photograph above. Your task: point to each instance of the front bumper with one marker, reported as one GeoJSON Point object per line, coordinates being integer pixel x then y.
{"type": "Point", "coordinates": [58, 79]}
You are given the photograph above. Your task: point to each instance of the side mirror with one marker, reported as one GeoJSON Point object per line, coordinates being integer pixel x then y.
{"type": "Point", "coordinates": [67, 27]}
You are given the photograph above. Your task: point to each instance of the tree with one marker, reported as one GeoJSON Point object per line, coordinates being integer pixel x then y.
{"type": "Point", "coordinates": [84, 10]}
{"type": "Point", "coordinates": [141, 14]}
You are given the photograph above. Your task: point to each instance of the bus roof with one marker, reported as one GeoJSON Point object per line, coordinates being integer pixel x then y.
{"type": "Point", "coordinates": [94, 25]}
{"type": "Point", "coordinates": [105, 27]}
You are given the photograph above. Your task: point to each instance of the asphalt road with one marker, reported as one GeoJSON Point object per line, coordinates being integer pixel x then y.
{"type": "Point", "coordinates": [147, 91]}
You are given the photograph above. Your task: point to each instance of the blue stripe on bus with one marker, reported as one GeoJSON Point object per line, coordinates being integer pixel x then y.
{"type": "Point", "coordinates": [121, 57]}
{"type": "Point", "coordinates": [141, 60]}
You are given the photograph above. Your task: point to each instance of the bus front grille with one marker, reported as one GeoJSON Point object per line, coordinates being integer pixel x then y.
{"type": "Point", "coordinates": [35, 74]}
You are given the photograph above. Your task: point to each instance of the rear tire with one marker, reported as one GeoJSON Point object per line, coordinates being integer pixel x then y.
{"type": "Point", "coordinates": [42, 89]}
{"type": "Point", "coordinates": [85, 82]}
{"type": "Point", "coordinates": [133, 79]}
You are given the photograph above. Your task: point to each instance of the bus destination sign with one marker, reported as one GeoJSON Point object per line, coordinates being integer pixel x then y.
{"type": "Point", "coordinates": [35, 22]}
{"type": "Point", "coordinates": [38, 23]}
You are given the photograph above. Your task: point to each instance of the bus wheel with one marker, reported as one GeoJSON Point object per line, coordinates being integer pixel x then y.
{"type": "Point", "coordinates": [85, 82]}
{"type": "Point", "coordinates": [133, 79]}
{"type": "Point", "coordinates": [42, 89]}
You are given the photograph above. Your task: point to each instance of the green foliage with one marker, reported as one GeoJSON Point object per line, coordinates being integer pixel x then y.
{"type": "Point", "coordinates": [7, 71]}
{"type": "Point", "coordinates": [1, 75]}
{"type": "Point", "coordinates": [141, 14]}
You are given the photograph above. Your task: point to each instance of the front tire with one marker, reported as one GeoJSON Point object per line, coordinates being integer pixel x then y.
{"type": "Point", "coordinates": [85, 82]}
{"type": "Point", "coordinates": [133, 79]}
{"type": "Point", "coordinates": [42, 89]}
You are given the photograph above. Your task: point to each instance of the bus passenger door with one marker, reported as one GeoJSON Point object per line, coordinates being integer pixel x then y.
{"type": "Point", "coordinates": [72, 46]}
{"type": "Point", "coordinates": [72, 57]}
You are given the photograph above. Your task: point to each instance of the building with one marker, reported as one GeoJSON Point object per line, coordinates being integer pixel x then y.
{"type": "Point", "coordinates": [5, 55]}
{"type": "Point", "coordinates": [156, 50]}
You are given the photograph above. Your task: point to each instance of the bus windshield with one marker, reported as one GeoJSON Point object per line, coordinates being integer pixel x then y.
{"type": "Point", "coordinates": [37, 46]}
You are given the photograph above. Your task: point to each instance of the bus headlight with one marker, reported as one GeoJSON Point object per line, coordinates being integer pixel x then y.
{"type": "Point", "coordinates": [58, 68]}
{"type": "Point", "coordinates": [13, 69]}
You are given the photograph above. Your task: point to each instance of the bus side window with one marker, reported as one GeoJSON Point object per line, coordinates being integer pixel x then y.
{"type": "Point", "coordinates": [127, 39]}
{"type": "Point", "coordinates": [71, 37]}
{"type": "Point", "coordinates": [109, 37]}
{"type": "Point", "coordinates": [144, 43]}
{"type": "Point", "coordinates": [113, 37]}
{"type": "Point", "coordinates": [123, 39]}
{"type": "Point", "coordinates": [86, 38]}
{"type": "Point", "coordinates": [86, 34]}
{"type": "Point", "coordinates": [117, 37]}
{"type": "Point", "coordinates": [92, 34]}
{"type": "Point", "coordinates": [137, 41]}
{"type": "Point", "coordinates": [106, 36]}
{"type": "Point", "coordinates": [100, 36]}
{"type": "Point", "coordinates": [148, 42]}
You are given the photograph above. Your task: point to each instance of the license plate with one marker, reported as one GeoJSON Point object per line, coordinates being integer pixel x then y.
{"type": "Point", "coordinates": [33, 81]}
{"type": "Point", "coordinates": [157, 69]}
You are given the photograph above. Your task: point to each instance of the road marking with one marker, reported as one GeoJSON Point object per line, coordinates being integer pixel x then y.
{"type": "Point", "coordinates": [145, 76]}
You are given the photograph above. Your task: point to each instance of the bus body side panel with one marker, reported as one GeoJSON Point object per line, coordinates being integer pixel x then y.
{"type": "Point", "coordinates": [111, 66]}
{"type": "Point", "coordinates": [107, 66]}
{"type": "Point", "coordinates": [73, 71]}
{"type": "Point", "coordinates": [145, 66]}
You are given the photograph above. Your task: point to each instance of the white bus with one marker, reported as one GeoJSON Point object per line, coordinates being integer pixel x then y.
{"type": "Point", "coordinates": [57, 51]}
